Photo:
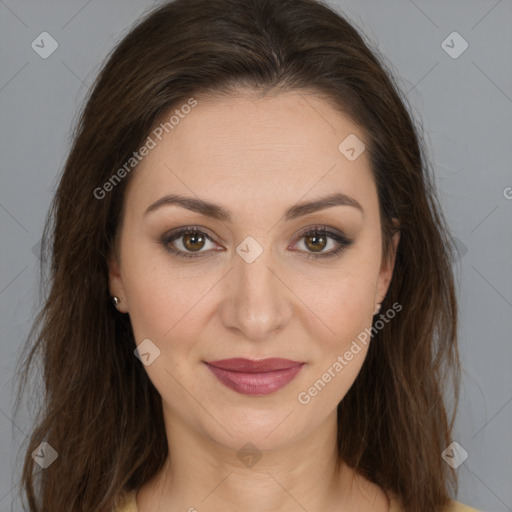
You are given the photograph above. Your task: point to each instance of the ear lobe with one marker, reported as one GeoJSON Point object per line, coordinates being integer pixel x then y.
{"type": "Point", "coordinates": [115, 282]}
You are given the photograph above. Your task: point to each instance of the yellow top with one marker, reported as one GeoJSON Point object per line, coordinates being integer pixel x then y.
{"type": "Point", "coordinates": [130, 505]}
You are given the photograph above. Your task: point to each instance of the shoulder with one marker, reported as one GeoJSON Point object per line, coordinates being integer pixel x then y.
{"type": "Point", "coordinates": [453, 506]}
{"type": "Point", "coordinates": [127, 503]}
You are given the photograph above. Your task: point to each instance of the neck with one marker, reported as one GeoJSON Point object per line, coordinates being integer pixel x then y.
{"type": "Point", "coordinates": [201, 474]}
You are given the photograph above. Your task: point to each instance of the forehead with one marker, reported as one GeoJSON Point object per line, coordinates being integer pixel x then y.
{"type": "Point", "coordinates": [247, 147]}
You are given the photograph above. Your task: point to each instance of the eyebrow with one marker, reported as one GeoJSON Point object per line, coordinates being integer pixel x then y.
{"type": "Point", "coordinates": [217, 211]}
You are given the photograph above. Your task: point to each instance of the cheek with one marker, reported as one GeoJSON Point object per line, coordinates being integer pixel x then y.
{"type": "Point", "coordinates": [346, 311]}
{"type": "Point", "coordinates": [157, 299]}
{"type": "Point", "coordinates": [342, 302]}
{"type": "Point", "coordinates": [168, 301]}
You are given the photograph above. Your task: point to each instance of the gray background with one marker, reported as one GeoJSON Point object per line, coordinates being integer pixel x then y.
{"type": "Point", "coordinates": [465, 104]}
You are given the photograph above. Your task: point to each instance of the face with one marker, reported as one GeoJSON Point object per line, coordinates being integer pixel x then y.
{"type": "Point", "coordinates": [267, 279]}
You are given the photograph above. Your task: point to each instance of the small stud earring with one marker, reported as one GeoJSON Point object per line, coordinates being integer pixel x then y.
{"type": "Point", "coordinates": [377, 309]}
{"type": "Point", "coordinates": [116, 300]}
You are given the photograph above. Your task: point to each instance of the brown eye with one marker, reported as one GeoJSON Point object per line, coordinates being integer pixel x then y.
{"type": "Point", "coordinates": [193, 241]}
{"type": "Point", "coordinates": [186, 242]}
{"type": "Point", "coordinates": [316, 242]}
{"type": "Point", "coordinates": [316, 239]}
{"type": "Point", "coordinates": [190, 242]}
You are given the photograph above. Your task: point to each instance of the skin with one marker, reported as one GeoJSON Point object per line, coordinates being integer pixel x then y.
{"type": "Point", "coordinates": [256, 157]}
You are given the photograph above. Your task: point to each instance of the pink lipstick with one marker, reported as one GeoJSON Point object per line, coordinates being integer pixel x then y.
{"type": "Point", "coordinates": [250, 377]}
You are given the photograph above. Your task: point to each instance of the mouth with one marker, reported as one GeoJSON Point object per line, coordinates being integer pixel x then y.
{"type": "Point", "coordinates": [250, 377]}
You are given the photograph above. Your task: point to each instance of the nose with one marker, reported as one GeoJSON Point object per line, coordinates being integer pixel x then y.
{"type": "Point", "coordinates": [258, 300]}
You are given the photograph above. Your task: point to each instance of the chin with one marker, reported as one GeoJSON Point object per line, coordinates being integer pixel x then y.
{"type": "Point", "coordinates": [265, 429]}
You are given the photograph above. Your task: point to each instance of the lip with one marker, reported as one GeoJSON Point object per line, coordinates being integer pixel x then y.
{"type": "Point", "coordinates": [255, 377]}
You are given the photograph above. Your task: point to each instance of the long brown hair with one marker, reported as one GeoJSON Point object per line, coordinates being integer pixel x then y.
{"type": "Point", "coordinates": [100, 411]}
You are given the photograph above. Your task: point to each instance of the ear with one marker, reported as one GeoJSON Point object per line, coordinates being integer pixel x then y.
{"type": "Point", "coordinates": [115, 282]}
{"type": "Point", "coordinates": [386, 269]}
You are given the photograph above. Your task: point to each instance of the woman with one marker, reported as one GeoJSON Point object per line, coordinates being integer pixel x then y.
{"type": "Point", "coordinates": [252, 303]}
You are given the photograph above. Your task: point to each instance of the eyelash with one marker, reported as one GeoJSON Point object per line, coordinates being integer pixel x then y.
{"type": "Point", "coordinates": [317, 230]}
